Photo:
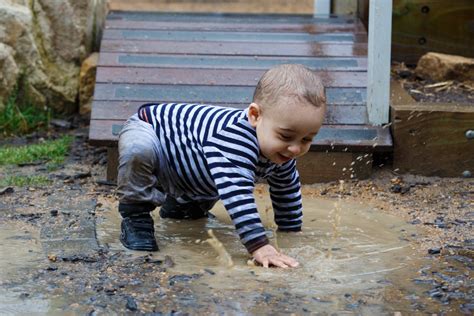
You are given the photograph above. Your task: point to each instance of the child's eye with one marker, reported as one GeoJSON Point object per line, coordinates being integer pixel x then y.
{"type": "Point", "coordinates": [307, 140]}
{"type": "Point", "coordinates": [285, 137]}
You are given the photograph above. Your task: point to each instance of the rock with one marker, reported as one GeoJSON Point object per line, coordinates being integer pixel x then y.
{"type": "Point", "coordinates": [398, 188]}
{"type": "Point", "coordinates": [405, 73]}
{"type": "Point", "coordinates": [439, 222]}
{"type": "Point", "coordinates": [9, 71]}
{"type": "Point", "coordinates": [435, 293]}
{"type": "Point", "coordinates": [441, 67]}
{"type": "Point", "coordinates": [210, 271]}
{"type": "Point", "coordinates": [61, 123]}
{"type": "Point", "coordinates": [43, 43]}
{"type": "Point", "coordinates": [87, 83]}
{"type": "Point", "coordinates": [183, 278]}
{"type": "Point", "coordinates": [434, 251]}
{"type": "Point", "coordinates": [131, 304]}
{"type": "Point", "coordinates": [51, 268]}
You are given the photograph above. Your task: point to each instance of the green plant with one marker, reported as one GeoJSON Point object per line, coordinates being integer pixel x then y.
{"type": "Point", "coordinates": [23, 181]}
{"type": "Point", "coordinates": [52, 151]}
{"type": "Point", "coordinates": [22, 117]}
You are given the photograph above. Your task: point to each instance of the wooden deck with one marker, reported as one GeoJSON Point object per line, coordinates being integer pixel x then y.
{"type": "Point", "coordinates": [218, 59]}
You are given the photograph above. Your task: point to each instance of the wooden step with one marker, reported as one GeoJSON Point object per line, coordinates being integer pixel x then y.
{"type": "Point", "coordinates": [218, 59]}
{"type": "Point", "coordinates": [357, 138]}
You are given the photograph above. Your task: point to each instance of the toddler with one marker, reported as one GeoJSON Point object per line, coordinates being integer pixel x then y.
{"type": "Point", "coordinates": [184, 157]}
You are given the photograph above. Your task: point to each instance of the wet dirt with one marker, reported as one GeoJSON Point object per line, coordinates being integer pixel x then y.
{"type": "Point", "coordinates": [427, 91]}
{"type": "Point", "coordinates": [392, 243]}
{"type": "Point", "coordinates": [345, 250]}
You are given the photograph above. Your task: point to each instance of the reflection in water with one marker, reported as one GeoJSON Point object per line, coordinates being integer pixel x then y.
{"type": "Point", "coordinates": [344, 248]}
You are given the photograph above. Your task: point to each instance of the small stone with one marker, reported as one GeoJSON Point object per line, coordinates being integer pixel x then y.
{"type": "Point", "coordinates": [53, 213]}
{"type": "Point", "coordinates": [52, 258]}
{"type": "Point", "coordinates": [131, 304]}
{"type": "Point", "coordinates": [60, 123]}
{"type": "Point", "coordinates": [434, 251]}
{"type": "Point", "coordinates": [210, 271]}
{"type": "Point", "coordinates": [405, 73]}
{"type": "Point", "coordinates": [435, 293]}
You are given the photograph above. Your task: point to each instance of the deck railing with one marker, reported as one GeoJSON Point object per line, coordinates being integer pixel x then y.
{"type": "Point", "coordinates": [379, 54]}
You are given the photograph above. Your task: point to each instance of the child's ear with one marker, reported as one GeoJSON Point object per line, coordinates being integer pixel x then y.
{"type": "Point", "coordinates": [254, 114]}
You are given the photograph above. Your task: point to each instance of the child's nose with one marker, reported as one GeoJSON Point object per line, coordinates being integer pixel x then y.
{"type": "Point", "coordinates": [294, 149]}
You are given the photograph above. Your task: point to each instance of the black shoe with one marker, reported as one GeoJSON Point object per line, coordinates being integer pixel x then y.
{"type": "Point", "coordinates": [138, 232]}
{"type": "Point", "coordinates": [191, 210]}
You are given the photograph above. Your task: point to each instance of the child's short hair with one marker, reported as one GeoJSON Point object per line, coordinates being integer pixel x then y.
{"type": "Point", "coordinates": [293, 81]}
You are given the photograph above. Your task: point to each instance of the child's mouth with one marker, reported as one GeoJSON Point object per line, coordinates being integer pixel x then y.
{"type": "Point", "coordinates": [284, 158]}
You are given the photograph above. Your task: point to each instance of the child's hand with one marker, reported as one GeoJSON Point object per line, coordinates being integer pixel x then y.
{"type": "Point", "coordinates": [267, 255]}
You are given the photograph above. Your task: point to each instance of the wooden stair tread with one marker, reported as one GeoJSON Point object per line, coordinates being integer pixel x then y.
{"type": "Point", "coordinates": [331, 137]}
{"type": "Point", "coordinates": [218, 59]}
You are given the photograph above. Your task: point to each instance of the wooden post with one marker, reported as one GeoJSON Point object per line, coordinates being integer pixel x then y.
{"type": "Point", "coordinates": [322, 7]}
{"type": "Point", "coordinates": [112, 164]}
{"type": "Point", "coordinates": [378, 85]}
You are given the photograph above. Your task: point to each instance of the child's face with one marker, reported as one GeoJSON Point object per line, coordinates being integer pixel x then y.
{"type": "Point", "coordinates": [285, 131]}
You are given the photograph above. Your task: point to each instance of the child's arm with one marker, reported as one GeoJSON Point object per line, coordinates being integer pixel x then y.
{"type": "Point", "coordinates": [235, 184]}
{"type": "Point", "coordinates": [236, 192]}
{"type": "Point", "coordinates": [285, 192]}
{"type": "Point", "coordinates": [233, 174]}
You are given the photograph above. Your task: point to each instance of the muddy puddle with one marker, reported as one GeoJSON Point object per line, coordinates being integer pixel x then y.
{"type": "Point", "coordinates": [352, 259]}
{"type": "Point", "coordinates": [21, 252]}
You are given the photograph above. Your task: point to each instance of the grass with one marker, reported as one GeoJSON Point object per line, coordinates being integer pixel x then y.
{"type": "Point", "coordinates": [52, 151]}
{"type": "Point", "coordinates": [21, 181]}
{"type": "Point", "coordinates": [19, 118]}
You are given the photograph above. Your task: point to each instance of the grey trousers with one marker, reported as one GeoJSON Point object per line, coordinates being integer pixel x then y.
{"type": "Point", "coordinates": [143, 173]}
{"type": "Point", "coordinates": [139, 164]}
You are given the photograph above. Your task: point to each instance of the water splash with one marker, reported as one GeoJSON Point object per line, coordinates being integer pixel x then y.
{"type": "Point", "coordinates": [223, 255]}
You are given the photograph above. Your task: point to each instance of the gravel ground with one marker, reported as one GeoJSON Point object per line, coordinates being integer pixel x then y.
{"type": "Point", "coordinates": [442, 210]}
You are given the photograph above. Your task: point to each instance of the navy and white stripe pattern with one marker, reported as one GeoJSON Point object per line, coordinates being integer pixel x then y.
{"type": "Point", "coordinates": [214, 151]}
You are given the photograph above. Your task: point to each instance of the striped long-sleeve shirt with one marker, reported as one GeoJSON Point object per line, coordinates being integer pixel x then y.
{"type": "Point", "coordinates": [215, 154]}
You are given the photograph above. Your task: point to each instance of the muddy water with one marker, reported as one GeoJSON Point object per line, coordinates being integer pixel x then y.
{"type": "Point", "coordinates": [352, 257]}
{"type": "Point", "coordinates": [21, 251]}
